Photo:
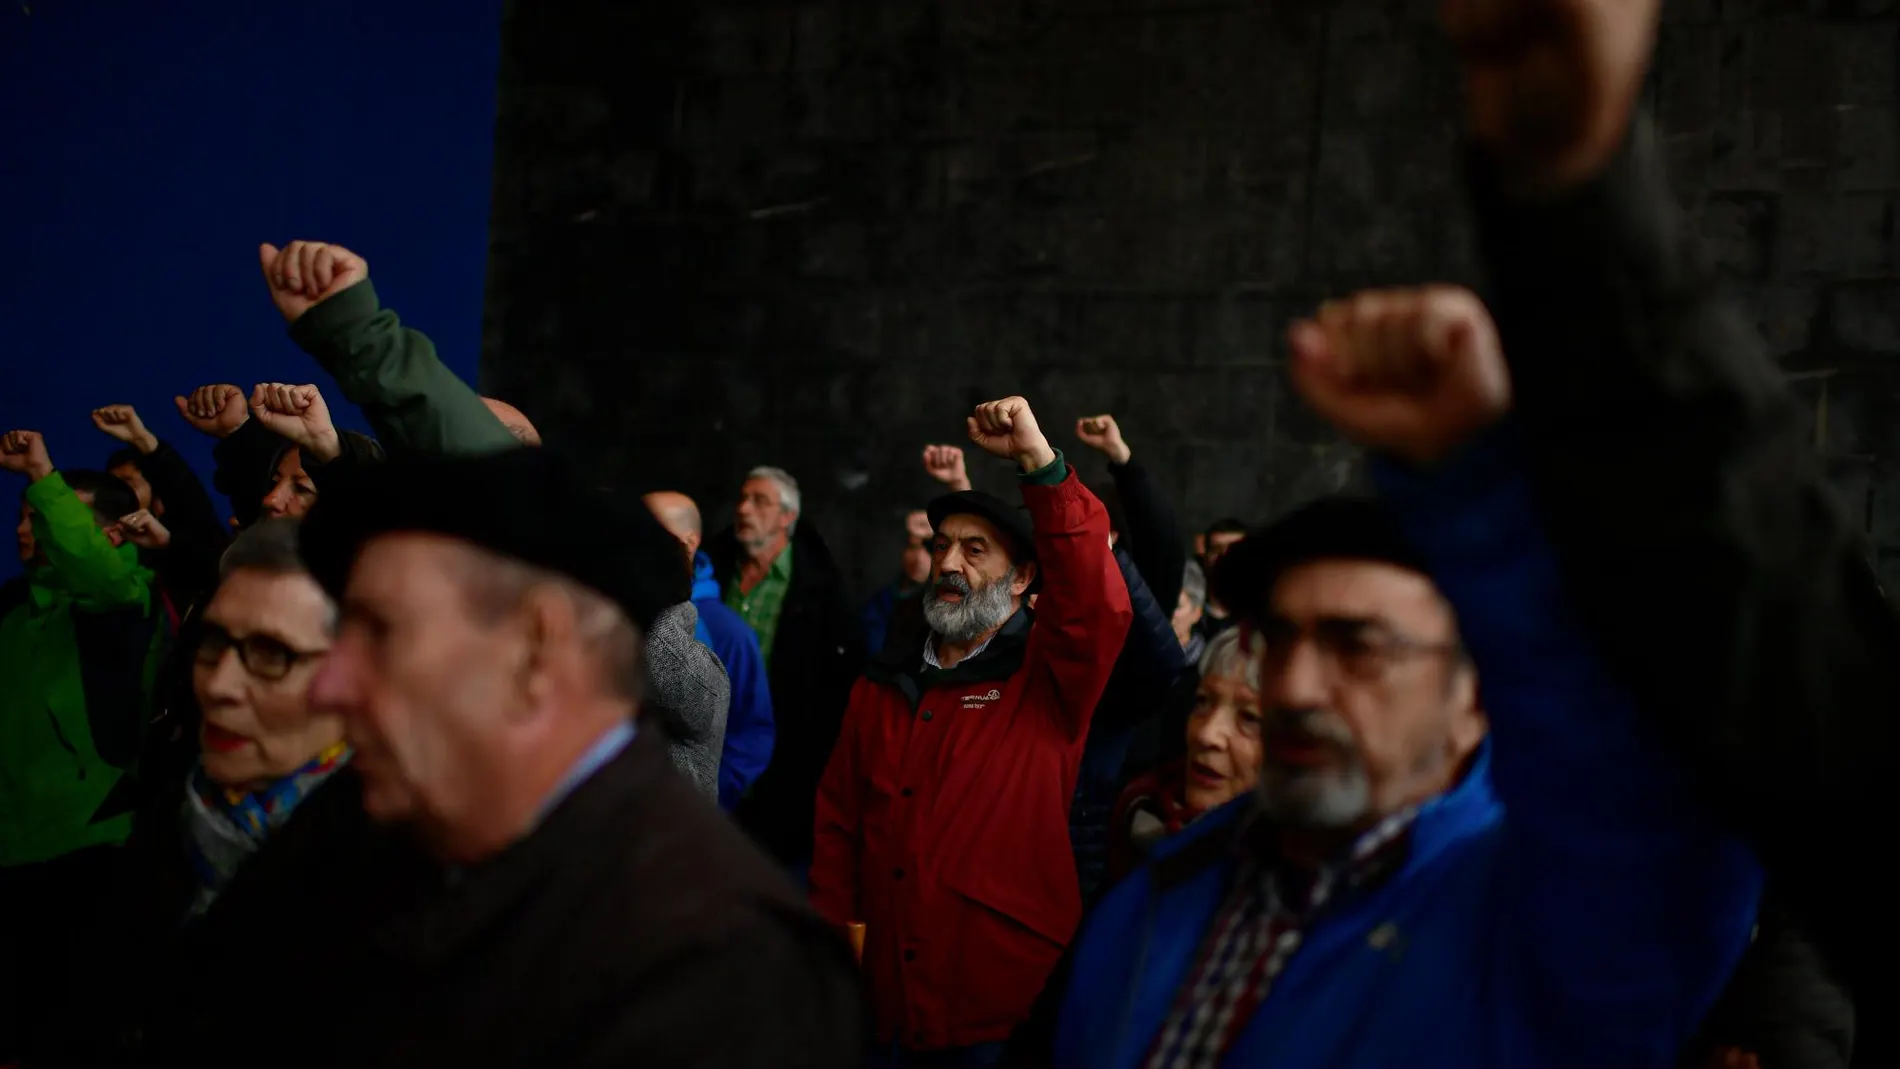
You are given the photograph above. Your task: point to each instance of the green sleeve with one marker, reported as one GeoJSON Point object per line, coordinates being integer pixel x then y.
{"type": "Point", "coordinates": [95, 570]}
{"type": "Point", "coordinates": [415, 404]}
{"type": "Point", "coordinates": [1050, 474]}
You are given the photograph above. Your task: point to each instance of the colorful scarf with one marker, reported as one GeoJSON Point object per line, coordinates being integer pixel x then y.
{"type": "Point", "coordinates": [223, 827]}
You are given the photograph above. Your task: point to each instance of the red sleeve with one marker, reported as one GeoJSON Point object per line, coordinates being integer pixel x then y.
{"type": "Point", "coordinates": [835, 836]}
{"type": "Point", "coordinates": [1083, 613]}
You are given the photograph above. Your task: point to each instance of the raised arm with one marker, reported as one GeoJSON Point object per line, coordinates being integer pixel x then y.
{"type": "Point", "coordinates": [1153, 539]}
{"type": "Point", "coordinates": [416, 405]}
{"type": "Point", "coordinates": [1623, 904]}
{"type": "Point", "coordinates": [1083, 612]}
{"type": "Point", "coordinates": [97, 571]}
{"type": "Point", "coordinates": [1720, 576]}
{"type": "Point", "coordinates": [197, 535]}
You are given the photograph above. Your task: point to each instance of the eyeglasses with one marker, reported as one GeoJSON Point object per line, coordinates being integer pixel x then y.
{"type": "Point", "coordinates": [261, 655]}
{"type": "Point", "coordinates": [1359, 650]}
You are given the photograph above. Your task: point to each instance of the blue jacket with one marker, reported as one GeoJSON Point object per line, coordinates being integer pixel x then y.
{"type": "Point", "coordinates": [749, 728]}
{"type": "Point", "coordinates": [1567, 904]}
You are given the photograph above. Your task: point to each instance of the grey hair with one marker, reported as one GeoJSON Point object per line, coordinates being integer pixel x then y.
{"type": "Point", "coordinates": [268, 545]}
{"type": "Point", "coordinates": [1194, 584]}
{"type": "Point", "coordinates": [788, 498]}
{"type": "Point", "coordinates": [1227, 658]}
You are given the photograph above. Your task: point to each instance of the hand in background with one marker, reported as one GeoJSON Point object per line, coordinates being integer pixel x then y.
{"type": "Point", "coordinates": [216, 410]}
{"type": "Point", "coordinates": [1007, 428]}
{"type": "Point", "coordinates": [1103, 433]}
{"type": "Point", "coordinates": [300, 414]}
{"type": "Point", "coordinates": [123, 422]}
{"type": "Point", "coordinates": [944, 463]}
{"type": "Point", "coordinates": [25, 452]}
{"type": "Point", "coordinates": [144, 530]}
{"type": "Point", "coordinates": [304, 273]}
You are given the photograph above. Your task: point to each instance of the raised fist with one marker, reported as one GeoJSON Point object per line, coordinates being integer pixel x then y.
{"type": "Point", "coordinates": [142, 529]}
{"type": "Point", "coordinates": [945, 464]}
{"type": "Point", "coordinates": [25, 452]}
{"type": "Point", "coordinates": [1412, 372]}
{"type": "Point", "coordinates": [216, 410]}
{"type": "Point", "coordinates": [123, 422]}
{"type": "Point", "coordinates": [303, 273]}
{"type": "Point", "coordinates": [1550, 84]}
{"type": "Point", "coordinates": [1007, 428]}
{"type": "Point", "coordinates": [299, 414]}
{"type": "Point", "coordinates": [1103, 433]}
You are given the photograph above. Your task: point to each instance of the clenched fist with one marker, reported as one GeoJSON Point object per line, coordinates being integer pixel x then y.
{"type": "Point", "coordinates": [1412, 372]}
{"type": "Point", "coordinates": [123, 422]}
{"type": "Point", "coordinates": [303, 273]}
{"type": "Point", "coordinates": [945, 464]}
{"type": "Point", "coordinates": [299, 414]}
{"type": "Point", "coordinates": [25, 452]}
{"type": "Point", "coordinates": [142, 529]}
{"type": "Point", "coordinates": [1103, 433]}
{"type": "Point", "coordinates": [1007, 428]}
{"type": "Point", "coordinates": [216, 410]}
{"type": "Point", "coordinates": [1550, 84]}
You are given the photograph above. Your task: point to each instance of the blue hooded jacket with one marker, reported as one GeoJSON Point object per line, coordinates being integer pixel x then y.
{"type": "Point", "coordinates": [749, 727]}
{"type": "Point", "coordinates": [1567, 904]}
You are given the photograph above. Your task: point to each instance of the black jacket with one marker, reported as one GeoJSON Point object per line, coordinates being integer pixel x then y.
{"type": "Point", "coordinates": [188, 567]}
{"type": "Point", "coordinates": [1152, 538]}
{"type": "Point", "coordinates": [817, 655]}
{"type": "Point", "coordinates": [1727, 585]}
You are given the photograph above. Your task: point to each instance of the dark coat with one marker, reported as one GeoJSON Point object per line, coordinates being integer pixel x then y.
{"type": "Point", "coordinates": [286, 922]}
{"type": "Point", "coordinates": [635, 926]}
{"type": "Point", "coordinates": [816, 657]}
{"type": "Point", "coordinates": [1724, 580]}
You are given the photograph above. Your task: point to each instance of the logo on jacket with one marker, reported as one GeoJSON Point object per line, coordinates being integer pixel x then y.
{"type": "Point", "coordinates": [978, 701]}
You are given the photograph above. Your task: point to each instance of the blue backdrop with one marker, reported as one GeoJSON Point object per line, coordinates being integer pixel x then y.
{"type": "Point", "coordinates": [148, 146]}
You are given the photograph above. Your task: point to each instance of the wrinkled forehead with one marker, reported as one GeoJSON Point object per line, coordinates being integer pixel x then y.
{"type": "Point", "coordinates": [281, 604]}
{"type": "Point", "coordinates": [1362, 590]}
{"type": "Point", "coordinates": [412, 572]}
{"type": "Point", "coordinates": [760, 487]}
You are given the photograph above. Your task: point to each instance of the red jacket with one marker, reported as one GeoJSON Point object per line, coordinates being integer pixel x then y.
{"type": "Point", "coordinates": [943, 817]}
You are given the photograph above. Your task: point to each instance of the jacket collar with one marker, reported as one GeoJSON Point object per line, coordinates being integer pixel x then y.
{"type": "Point", "coordinates": [705, 587]}
{"type": "Point", "coordinates": [901, 662]}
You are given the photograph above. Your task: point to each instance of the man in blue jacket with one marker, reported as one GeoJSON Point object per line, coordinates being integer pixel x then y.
{"type": "Point", "coordinates": [749, 730]}
{"type": "Point", "coordinates": [1404, 889]}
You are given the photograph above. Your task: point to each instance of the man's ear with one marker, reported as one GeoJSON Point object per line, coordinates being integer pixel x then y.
{"type": "Point", "coordinates": [1469, 724]}
{"type": "Point", "coordinates": [546, 625]}
{"type": "Point", "coordinates": [1025, 576]}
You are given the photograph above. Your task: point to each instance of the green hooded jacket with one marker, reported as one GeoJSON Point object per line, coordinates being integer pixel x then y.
{"type": "Point", "coordinates": [79, 646]}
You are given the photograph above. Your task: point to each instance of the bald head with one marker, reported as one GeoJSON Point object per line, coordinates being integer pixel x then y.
{"type": "Point", "coordinates": [679, 515]}
{"type": "Point", "coordinates": [511, 418]}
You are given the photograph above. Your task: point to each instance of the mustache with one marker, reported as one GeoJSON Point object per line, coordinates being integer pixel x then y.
{"type": "Point", "coordinates": [1322, 725]}
{"type": "Point", "coordinates": [954, 584]}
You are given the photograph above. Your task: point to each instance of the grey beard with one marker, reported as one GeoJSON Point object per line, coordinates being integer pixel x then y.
{"type": "Point", "coordinates": [980, 610]}
{"type": "Point", "coordinates": [1321, 798]}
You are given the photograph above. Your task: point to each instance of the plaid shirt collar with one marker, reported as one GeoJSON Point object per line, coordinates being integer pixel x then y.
{"type": "Point", "coordinates": [1263, 919]}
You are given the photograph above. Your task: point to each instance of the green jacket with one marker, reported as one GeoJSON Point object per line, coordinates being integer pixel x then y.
{"type": "Point", "coordinates": [79, 646]}
{"type": "Point", "coordinates": [414, 403]}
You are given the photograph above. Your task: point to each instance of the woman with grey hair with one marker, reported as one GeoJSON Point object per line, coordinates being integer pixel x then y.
{"type": "Point", "coordinates": [1222, 761]}
{"type": "Point", "coordinates": [261, 843]}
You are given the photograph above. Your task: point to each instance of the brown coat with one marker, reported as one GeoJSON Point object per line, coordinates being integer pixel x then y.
{"type": "Point", "coordinates": [635, 926]}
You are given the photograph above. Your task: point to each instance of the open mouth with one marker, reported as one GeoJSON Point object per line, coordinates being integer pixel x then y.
{"type": "Point", "coordinates": [1204, 775]}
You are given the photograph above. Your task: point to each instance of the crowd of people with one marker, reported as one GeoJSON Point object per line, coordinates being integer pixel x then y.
{"type": "Point", "coordinates": [1560, 749]}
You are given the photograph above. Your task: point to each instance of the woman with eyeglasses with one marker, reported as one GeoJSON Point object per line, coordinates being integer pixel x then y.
{"type": "Point", "coordinates": [259, 856]}
{"type": "Point", "coordinates": [1221, 764]}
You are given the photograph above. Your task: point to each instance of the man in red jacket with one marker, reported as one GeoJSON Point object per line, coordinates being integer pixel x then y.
{"type": "Point", "coordinates": [943, 817]}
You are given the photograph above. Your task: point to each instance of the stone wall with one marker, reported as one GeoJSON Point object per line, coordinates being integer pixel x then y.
{"type": "Point", "coordinates": [814, 233]}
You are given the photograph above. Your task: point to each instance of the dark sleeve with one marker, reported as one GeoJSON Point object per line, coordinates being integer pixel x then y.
{"type": "Point", "coordinates": [1154, 532]}
{"type": "Point", "coordinates": [355, 451]}
{"type": "Point", "coordinates": [1150, 661]}
{"type": "Point", "coordinates": [1719, 574]}
{"type": "Point", "coordinates": [1784, 1004]}
{"type": "Point", "coordinates": [189, 514]}
{"type": "Point", "coordinates": [802, 1009]}
{"type": "Point", "coordinates": [243, 473]}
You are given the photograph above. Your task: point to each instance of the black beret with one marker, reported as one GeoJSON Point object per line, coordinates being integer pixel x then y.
{"type": "Point", "coordinates": [534, 505]}
{"type": "Point", "coordinates": [1331, 528]}
{"type": "Point", "coordinates": [1012, 520]}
